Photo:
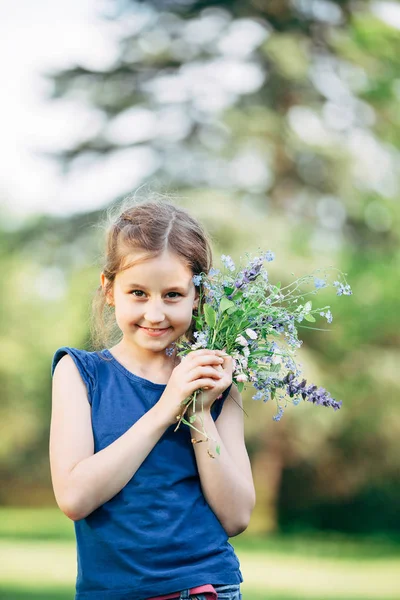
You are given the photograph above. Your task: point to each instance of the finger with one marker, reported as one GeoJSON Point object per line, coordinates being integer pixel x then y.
{"type": "Point", "coordinates": [226, 358]}
{"type": "Point", "coordinates": [205, 353]}
{"type": "Point", "coordinates": [228, 365]}
{"type": "Point", "coordinates": [221, 353]}
{"type": "Point", "coordinates": [208, 359]}
{"type": "Point", "coordinates": [210, 372]}
{"type": "Point", "coordinates": [203, 383]}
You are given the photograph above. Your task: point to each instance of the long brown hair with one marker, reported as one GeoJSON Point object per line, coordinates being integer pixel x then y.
{"type": "Point", "coordinates": [151, 227]}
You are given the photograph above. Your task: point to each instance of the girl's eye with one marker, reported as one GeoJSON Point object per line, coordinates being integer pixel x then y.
{"type": "Point", "coordinates": [140, 294]}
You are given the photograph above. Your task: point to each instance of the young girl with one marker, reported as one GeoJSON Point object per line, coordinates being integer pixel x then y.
{"type": "Point", "coordinates": [152, 510]}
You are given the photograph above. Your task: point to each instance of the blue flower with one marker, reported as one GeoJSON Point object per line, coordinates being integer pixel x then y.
{"type": "Point", "coordinates": [328, 315]}
{"type": "Point", "coordinates": [342, 289]}
{"type": "Point", "coordinates": [213, 272]}
{"type": "Point", "coordinates": [201, 340]}
{"type": "Point", "coordinates": [258, 396]}
{"type": "Point", "coordinates": [319, 283]}
{"type": "Point", "coordinates": [196, 280]}
{"type": "Point", "coordinates": [228, 262]}
{"type": "Point", "coordinates": [278, 416]}
{"type": "Point", "coordinates": [269, 256]}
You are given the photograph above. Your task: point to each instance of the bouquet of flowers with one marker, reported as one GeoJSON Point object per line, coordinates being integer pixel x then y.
{"type": "Point", "coordinates": [255, 321]}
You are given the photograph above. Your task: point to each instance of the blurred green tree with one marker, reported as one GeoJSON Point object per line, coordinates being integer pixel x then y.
{"type": "Point", "coordinates": [276, 120]}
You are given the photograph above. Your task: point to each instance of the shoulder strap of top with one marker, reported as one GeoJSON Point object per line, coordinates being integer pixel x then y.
{"type": "Point", "coordinates": [85, 364]}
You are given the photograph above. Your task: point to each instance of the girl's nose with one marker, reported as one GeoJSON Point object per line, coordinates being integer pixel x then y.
{"type": "Point", "coordinates": [154, 314]}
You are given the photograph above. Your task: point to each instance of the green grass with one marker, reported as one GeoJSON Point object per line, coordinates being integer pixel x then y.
{"type": "Point", "coordinates": [13, 593]}
{"type": "Point", "coordinates": [35, 524]}
{"type": "Point", "coordinates": [38, 553]}
{"type": "Point", "coordinates": [9, 593]}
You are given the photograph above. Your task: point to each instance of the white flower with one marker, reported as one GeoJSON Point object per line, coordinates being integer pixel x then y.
{"type": "Point", "coordinates": [241, 340]}
{"type": "Point", "coordinates": [243, 362]}
{"type": "Point", "coordinates": [241, 377]}
{"type": "Point", "coordinates": [252, 334]}
{"type": "Point", "coordinates": [276, 360]}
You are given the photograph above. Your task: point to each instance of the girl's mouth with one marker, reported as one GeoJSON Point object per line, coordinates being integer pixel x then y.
{"type": "Point", "coordinates": [153, 332]}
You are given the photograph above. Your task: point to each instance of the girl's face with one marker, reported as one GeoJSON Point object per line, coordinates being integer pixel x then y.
{"type": "Point", "coordinates": [154, 301]}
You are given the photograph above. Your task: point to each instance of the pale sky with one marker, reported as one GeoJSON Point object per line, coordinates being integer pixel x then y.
{"type": "Point", "coordinates": [43, 34]}
{"type": "Point", "coordinates": [35, 36]}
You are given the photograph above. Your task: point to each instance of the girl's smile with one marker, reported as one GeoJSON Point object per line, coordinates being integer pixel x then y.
{"type": "Point", "coordinates": [154, 332]}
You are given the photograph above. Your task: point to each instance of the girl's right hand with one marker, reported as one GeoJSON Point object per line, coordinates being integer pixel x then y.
{"type": "Point", "coordinates": [198, 369]}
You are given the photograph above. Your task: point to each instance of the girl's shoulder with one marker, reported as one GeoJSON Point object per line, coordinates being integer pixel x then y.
{"type": "Point", "coordinates": [85, 361]}
{"type": "Point", "coordinates": [89, 359]}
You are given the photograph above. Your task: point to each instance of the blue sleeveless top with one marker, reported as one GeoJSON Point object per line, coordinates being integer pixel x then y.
{"type": "Point", "coordinates": [158, 534]}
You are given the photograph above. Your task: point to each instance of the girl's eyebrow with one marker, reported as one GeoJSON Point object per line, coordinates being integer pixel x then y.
{"type": "Point", "coordinates": [178, 288]}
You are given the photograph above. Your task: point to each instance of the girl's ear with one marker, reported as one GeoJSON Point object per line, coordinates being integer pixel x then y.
{"type": "Point", "coordinates": [109, 294]}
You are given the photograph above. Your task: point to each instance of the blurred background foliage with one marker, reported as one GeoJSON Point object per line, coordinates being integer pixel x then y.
{"type": "Point", "coordinates": [276, 123]}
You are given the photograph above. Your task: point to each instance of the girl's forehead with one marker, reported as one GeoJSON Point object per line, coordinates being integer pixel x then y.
{"type": "Point", "coordinates": [162, 266]}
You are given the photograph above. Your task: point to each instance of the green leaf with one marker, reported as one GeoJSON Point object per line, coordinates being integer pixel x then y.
{"type": "Point", "coordinates": [307, 306]}
{"type": "Point", "coordinates": [273, 392]}
{"type": "Point", "coordinates": [230, 311]}
{"type": "Point", "coordinates": [228, 290]}
{"type": "Point", "coordinates": [278, 285]}
{"type": "Point", "coordinates": [192, 419]}
{"type": "Point", "coordinates": [309, 318]}
{"type": "Point", "coordinates": [225, 304]}
{"type": "Point", "coordinates": [240, 386]}
{"type": "Point", "coordinates": [210, 315]}
{"type": "Point", "coordinates": [218, 449]}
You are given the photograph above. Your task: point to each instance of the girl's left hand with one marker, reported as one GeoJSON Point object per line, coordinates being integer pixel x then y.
{"type": "Point", "coordinates": [206, 397]}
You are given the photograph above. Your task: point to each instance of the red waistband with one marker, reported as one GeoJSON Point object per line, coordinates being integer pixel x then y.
{"type": "Point", "coordinates": [209, 591]}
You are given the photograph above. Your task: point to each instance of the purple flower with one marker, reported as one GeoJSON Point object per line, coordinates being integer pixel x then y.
{"type": "Point", "coordinates": [250, 273]}
{"type": "Point", "coordinates": [311, 393]}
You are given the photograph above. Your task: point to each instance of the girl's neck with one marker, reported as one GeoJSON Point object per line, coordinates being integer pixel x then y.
{"type": "Point", "coordinates": [157, 367]}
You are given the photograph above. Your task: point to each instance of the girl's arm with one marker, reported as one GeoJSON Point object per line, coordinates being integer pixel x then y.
{"type": "Point", "coordinates": [227, 480]}
{"type": "Point", "coordinates": [82, 480]}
